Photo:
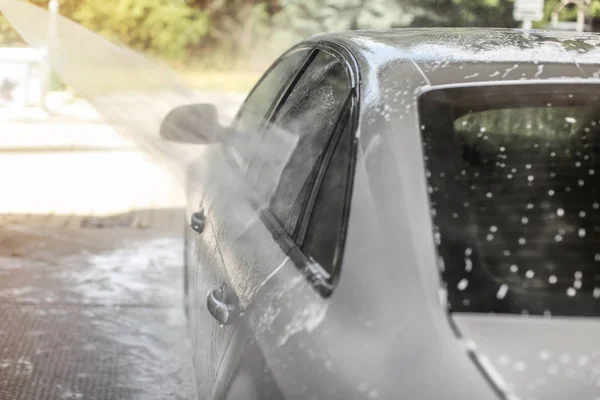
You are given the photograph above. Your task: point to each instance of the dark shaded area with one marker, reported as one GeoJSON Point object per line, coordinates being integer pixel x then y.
{"type": "Point", "coordinates": [517, 211]}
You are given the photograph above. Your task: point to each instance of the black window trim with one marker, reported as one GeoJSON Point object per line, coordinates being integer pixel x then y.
{"type": "Point", "coordinates": [317, 276]}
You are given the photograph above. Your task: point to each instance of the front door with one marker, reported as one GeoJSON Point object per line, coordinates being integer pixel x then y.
{"type": "Point", "coordinates": [208, 286]}
{"type": "Point", "coordinates": [213, 188]}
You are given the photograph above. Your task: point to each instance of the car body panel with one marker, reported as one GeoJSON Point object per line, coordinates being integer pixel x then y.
{"type": "Point", "coordinates": [385, 331]}
{"type": "Point", "coordinates": [206, 270]}
{"type": "Point", "coordinates": [537, 357]}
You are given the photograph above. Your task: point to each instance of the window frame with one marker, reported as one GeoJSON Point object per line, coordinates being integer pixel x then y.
{"type": "Point", "coordinates": [323, 282]}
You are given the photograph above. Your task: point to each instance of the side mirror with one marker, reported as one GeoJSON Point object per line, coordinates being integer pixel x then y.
{"type": "Point", "coordinates": [193, 123]}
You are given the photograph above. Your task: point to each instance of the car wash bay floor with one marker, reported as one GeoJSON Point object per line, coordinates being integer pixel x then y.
{"type": "Point", "coordinates": [91, 313]}
{"type": "Point", "coordinates": [90, 269]}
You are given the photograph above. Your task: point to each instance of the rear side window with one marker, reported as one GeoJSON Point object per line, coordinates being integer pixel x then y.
{"type": "Point", "coordinates": [325, 232]}
{"type": "Point", "coordinates": [310, 112]}
{"type": "Point", "coordinates": [514, 175]}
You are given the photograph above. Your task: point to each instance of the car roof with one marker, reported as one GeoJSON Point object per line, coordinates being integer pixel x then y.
{"type": "Point", "coordinates": [458, 55]}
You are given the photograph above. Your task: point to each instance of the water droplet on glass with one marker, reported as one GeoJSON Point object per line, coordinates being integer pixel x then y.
{"type": "Point", "coordinates": [560, 212]}
{"type": "Point", "coordinates": [468, 264]}
{"type": "Point", "coordinates": [520, 366]}
{"type": "Point", "coordinates": [530, 178]}
{"type": "Point", "coordinates": [544, 355]}
{"type": "Point", "coordinates": [565, 358]}
{"type": "Point", "coordinates": [581, 214]}
{"type": "Point", "coordinates": [462, 285]}
{"type": "Point", "coordinates": [558, 238]}
{"type": "Point", "coordinates": [550, 192]}
{"type": "Point", "coordinates": [552, 279]}
{"type": "Point", "coordinates": [524, 220]}
{"type": "Point", "coordinates": [529, 274]}
{"type": "Point", "coordinates": [504, 359]}
{"type": "Point", "coordinates": [583, 361]}
{"type": "Point", "coordinates": [493, 228]}
{"type": "Point", "coordinates": [571, 292]}
{"type": "Point", "coordinates": [578, 275]}
{"type": "Point", "coordinates": [490, 237]}
{"type": "Point", "coordinates": [577, 285]}
{"type": "Point", "coordinates": [596, 293]}
{"type": "Point", "coordinates": [522, 241]}
{"type": "Point", "coordinates": [488, 194]}
{"type": "Point", "coordinates": [514, 268]}
{"type": "Point", "coordinates": [581, 232]}
{"type": "Point", "coordinates": [468, 251]}
{"type": "Point", "coordinates": [502, 292]}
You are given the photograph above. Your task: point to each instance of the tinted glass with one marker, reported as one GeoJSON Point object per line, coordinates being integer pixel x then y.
{"type": "Point", "coordinates": [515, 194]}
{"type": "Point", "coordinates": [259, 101]}
{"type": "Point", "coordinates": [324, 234]}
{"type": "Point", "coordinates": [310, 113]}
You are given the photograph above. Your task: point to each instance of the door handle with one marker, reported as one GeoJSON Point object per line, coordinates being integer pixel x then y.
{"type": "Point", "coordinates": [219, 308]}
{"type": "Point", "coordinates": [198, 220]}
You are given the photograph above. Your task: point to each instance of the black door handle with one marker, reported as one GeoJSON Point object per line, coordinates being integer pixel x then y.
{"type": "Point", "coordinates": [198, 220]}
{"type": "Point", "coordinates": [216, 302]}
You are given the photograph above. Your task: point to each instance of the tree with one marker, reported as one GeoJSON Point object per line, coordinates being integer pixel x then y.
{"type": "Point", "coordinates": [569, 13]}
{"type": "Point", "coordinates": [167, 28]}
{"type": "Point", "coordinates": [462, 13]}
{"type": "Point", "coordinates": [307, 17]}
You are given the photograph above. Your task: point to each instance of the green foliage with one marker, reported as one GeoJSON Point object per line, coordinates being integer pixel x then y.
{"type": "Point", "coordinates": [570, 13]}
{"type": "Point", "coordinates": [307, 17]}
{"type": "Point", "coordinates": [225, 33]}
{"type": "Point", "coordinates": [240, 30]}
{"type": "Point", "coordinates": [162, 27]}
{"type": "Point", "coordinates": [539, 122]}
{"type": "Point", "coordinates": [462, 13]}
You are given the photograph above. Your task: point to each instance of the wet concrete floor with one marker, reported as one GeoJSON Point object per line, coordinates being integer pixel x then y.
{"type": "Point", "coordinates": [92, 312]}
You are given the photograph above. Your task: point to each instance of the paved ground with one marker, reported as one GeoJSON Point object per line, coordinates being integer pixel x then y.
{"type": "Point", "coordinates": [92, 313]}
{"type": "Point", "coordinates": [90, 266]}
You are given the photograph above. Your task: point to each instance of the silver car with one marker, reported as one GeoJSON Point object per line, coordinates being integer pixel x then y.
{"type": "Point", "coordinates": [408, 214]}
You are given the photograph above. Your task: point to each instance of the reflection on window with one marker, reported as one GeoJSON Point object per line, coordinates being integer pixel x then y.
{"type": "Point", "coordinates": [514, 179]}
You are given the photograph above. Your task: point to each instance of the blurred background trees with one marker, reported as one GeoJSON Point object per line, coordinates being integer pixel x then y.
{"type": "Point", "coordinates": [234, 33]}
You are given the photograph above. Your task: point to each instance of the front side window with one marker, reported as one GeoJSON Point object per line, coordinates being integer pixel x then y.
{"type": "Point", "coordinates": [514, 183]}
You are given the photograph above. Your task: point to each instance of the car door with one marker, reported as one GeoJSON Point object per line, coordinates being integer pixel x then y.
{"type": "Point", "coordinates": [266, 223]}
{"type": "Point", "coordinates": [208, 290]}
